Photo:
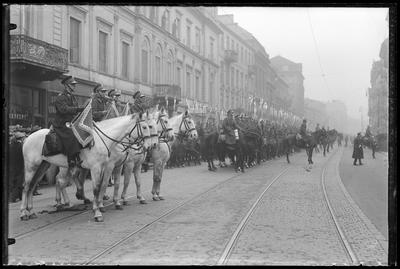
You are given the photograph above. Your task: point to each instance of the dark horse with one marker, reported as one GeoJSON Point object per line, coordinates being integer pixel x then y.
{"type": "Point", "coordinates": [234, 151]}
{"type": "Point", "coordinates": [371, 143]}
{"type": "Point", "coordinates": [309, 143]}
{"type": "Point", "coordinates": [208, 146]}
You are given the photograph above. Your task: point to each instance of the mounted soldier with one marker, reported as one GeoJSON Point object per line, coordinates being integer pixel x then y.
{"type": "Point", "coordinates": [114, 95]}
{"type": "Point", "coordinates": [66, 109]}
{"type": "Point", "coordinates": [138, 101]}
{"type": "Point", "coordinates": [99, 103]}
{"type": "Point", "coordinates": [230, 128]}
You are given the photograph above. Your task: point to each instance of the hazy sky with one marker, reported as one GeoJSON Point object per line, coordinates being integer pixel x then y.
{"type": "Point", "coordinates": [347, 41]}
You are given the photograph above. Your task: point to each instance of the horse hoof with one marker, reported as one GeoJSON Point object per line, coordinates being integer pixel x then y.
{"type": "Point", "coordinates": [24, 217]}
{"type": "Point", "coordinates": [119, 207]}
{"type": "Point", "coordinates": [125, 203]}
{"type": "Point", "coordinates": [143, 202]}
{"type": "Point", "coordinates": [59, 207]}
{"type": "Point", "coordinates": [102, 209]}
{"type": "Point", "coordinates": [86, 201]}
{"type": "Point", "coordinates": [99, 219]}
{"type": "Point", "coordinates": [33, 216]}
{"type": "Point", "coordinates": [156, 199]}
{"type": "Point", "coordinates": [161, 198]}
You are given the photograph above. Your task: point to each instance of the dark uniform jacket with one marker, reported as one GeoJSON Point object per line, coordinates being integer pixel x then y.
{"type": "Point", "coordinates": [66, 109]}
{"type": "Point", "coordinates": [358, 152]}
{"type": "Point", "coordinates": [99, 107]}
{"type": "Point", "coordinates": [303, 129]}
{"type": "Point", "coordinates": [228, 126]}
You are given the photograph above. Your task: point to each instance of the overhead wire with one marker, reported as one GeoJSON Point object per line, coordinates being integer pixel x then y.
{"type": "Point", "coordinates": [318, 55]}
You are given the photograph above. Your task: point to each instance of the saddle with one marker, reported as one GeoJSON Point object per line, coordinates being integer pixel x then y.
{"type": "Point", "coordinates": [52, 144]}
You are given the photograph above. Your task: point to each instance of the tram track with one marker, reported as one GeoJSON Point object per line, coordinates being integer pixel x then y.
{"type": "Point", "coordinates": [350, 254]}
{"type": "Point", "coordinates": [158, 219]}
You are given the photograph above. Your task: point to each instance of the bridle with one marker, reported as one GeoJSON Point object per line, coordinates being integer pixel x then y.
{"type": "Point", "coordinates": [139, 140]}
{"type": "Point", "coordinates": [164, 127]}
{"type": "Point", "coordinates": [187, 126]}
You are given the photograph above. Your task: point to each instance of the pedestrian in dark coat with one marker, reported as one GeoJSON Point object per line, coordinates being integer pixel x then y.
{"type": "Point", "coordinates": [358, 152]}
{"type": "Point", "coordinates": [66, 109]}
{"type": "Point", "coordinates": [16, 167]}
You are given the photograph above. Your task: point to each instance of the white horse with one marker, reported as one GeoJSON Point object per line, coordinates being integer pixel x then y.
{"type": "Point", "coordinates": [133, 164]}
{"type": "Point", "coordinates": [107, 135]}
{"type": "Point", "coordinates": [178, 125]}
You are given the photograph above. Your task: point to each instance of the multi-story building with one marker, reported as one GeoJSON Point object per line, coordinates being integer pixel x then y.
{"type": "Point", "coordinates": [337, 114]}
{"type": "Point", "coordinates": [169, 52]}
{"type": "Point", "coordinates": [315, 112]}
{"type": "Point", "coordinates": [291, 73]}
{"type": "Point", "coordinates": [379, 93]}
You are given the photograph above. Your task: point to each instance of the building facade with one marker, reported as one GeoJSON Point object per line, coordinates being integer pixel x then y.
{"type": "Point", "coordinates": [315, 112]}
{"type": "Point", "coordinates": [378, 93]}
{"type": "Point", "coordinates": [292, 74]}
{"type": "Point", "coordinates": [176, 54]}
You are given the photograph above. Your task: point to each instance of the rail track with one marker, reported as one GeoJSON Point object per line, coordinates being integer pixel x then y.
{"type": "Point", "coordinates": [350, 254]}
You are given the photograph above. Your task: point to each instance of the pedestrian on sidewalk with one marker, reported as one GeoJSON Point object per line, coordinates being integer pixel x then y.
{"type": "Point", "coordinates": [358, 152]}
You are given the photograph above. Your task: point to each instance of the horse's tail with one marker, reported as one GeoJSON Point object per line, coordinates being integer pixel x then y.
{"type": "Point", "coordinates": [39, 173]}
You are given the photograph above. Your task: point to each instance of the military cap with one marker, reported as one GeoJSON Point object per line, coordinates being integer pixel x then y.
{"type": "Point", "coordinates": [137, 95]}
{"type": "Point", "coordinates": [69, 80]}
{"type": "Point", "coordinates": [230, 111]}
{"type": "Point", "coordinates": [98, 88]}
{"type": "Point", "coordinates": [114, 92]}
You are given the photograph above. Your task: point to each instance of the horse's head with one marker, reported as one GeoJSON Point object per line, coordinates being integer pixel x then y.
{"type": "Point", "coordinates": [152, 128]}
{"type": "Point", "coordinates": [187, 127]}
{"type": "Point", "coordinates": [163, 126]}
{"type": "Point", "coordinates": [140, 133]}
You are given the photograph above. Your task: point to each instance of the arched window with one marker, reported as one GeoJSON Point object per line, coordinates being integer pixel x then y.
{"type": "Point", "coordinates": [169, 68]}
{"type": "Point", "coordinates": [145, 61]}
{"type": "Point", "coordinates": [157, 65]}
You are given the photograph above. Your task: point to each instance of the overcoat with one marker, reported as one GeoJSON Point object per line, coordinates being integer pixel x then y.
{"type": "Point", "coordinates": [229, 125]}
{"type": "Point", "coordinates": [358, 152]}
{"type": "Point", "coordinates": [66, 108]}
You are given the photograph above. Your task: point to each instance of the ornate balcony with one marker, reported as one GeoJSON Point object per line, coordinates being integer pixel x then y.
{"type": "Point", "coordinates": [230, 56]}
{"type": "Point", "coordinates": [36, 58]}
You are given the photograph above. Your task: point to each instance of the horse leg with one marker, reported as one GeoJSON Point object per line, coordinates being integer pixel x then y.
{"type": "Point", "coordinates": [136, 173]}
{"type": "Point", "coordinates": [80, 183]}
{"type": "Point", "coordinates": [116, 174]}
{"type": "Point", "coordinates": [31, 180]}
{"type": "Point", "coordinates": [96, 173]}
{"type": "Point", "coordinates": [156, 178]}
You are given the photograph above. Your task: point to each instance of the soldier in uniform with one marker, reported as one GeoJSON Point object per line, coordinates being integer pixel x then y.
{"type": "Point", "coordinates": [138, 99]}
{"type": "Point", "coordinates": [303, 129]}
{"type": "Point", "coordinates": [99, 103]}
{"type": "Point", "coordinates": [358, 152]}
{"type": "Point", "coordinates": [66, 109]}
{"type": "Point", "coordinates": [229, 125]}
{"type": "Point", "coordinates": [114, 95]}
{"type": "Point", "coordinates": [317, 128]}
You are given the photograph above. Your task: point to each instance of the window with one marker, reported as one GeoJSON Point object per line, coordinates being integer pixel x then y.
{"type": "Point", "coordinates": [232, 77]}
{"type": "Point", "coordinates": [169, 68]}
{"type": "Point", "coordinates": [74, 40]}
{"type": "Point", "coordinates": [124, 61]}
{"type": "Point", "coordinates": [188, 81]}
{"type": "Point", "coordinates": [211, 89]}
{"type": "Point", "coordinates": [158, 65]}
{"type": "Point", "coordinates": [197, 39]}
{"type": "Point", "coordinates": [241, 54]}
{"type": "Point", "coordinates": [178, 77]}
{"type": "Point", "coordinates": [145, 62]}
{"type": "Point", "coordinates": [103, 51]}
{"type": "Point", "coordinates": [197, 87]}
{"type": "Point", "coordinates": [188, 30]}
{"type": "Point", "coordinates": [237, 79]}
{"type": "Point", "coordinates": [227, 43]}
{"type": "Point", "coordinates": [178, 28]}
{"type": "Point", "coordinates": [212, 48]}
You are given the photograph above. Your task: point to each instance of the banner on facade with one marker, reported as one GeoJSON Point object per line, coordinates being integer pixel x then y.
{"type": "Point", "coordinates": [82, 125]}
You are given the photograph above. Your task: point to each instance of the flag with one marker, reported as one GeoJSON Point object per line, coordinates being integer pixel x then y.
{"type": "Point", "coordinates": [112, 111]}
{"type": "Point", "coordinates": [126, 110]}
{"type": "Point", "coordinates": [82, 125]}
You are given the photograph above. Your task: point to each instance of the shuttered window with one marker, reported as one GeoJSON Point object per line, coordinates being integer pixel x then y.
{"type": "Point", "coordinates": [103, 51]}
{"type": "Point", "coordinates": [74, 52]}
{"type": "Point", "coordinates": [125, 57]}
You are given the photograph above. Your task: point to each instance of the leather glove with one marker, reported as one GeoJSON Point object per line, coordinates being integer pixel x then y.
{"type": "Point", "coordinates": [80, 109]}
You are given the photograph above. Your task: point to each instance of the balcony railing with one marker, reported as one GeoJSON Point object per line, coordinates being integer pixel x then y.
{"type": "Point", "coordinates": [167, 90]}
{"type": "Point", "coordinates": [25, 49]}
{"type": "Point", "coordinates": [231, 56]}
